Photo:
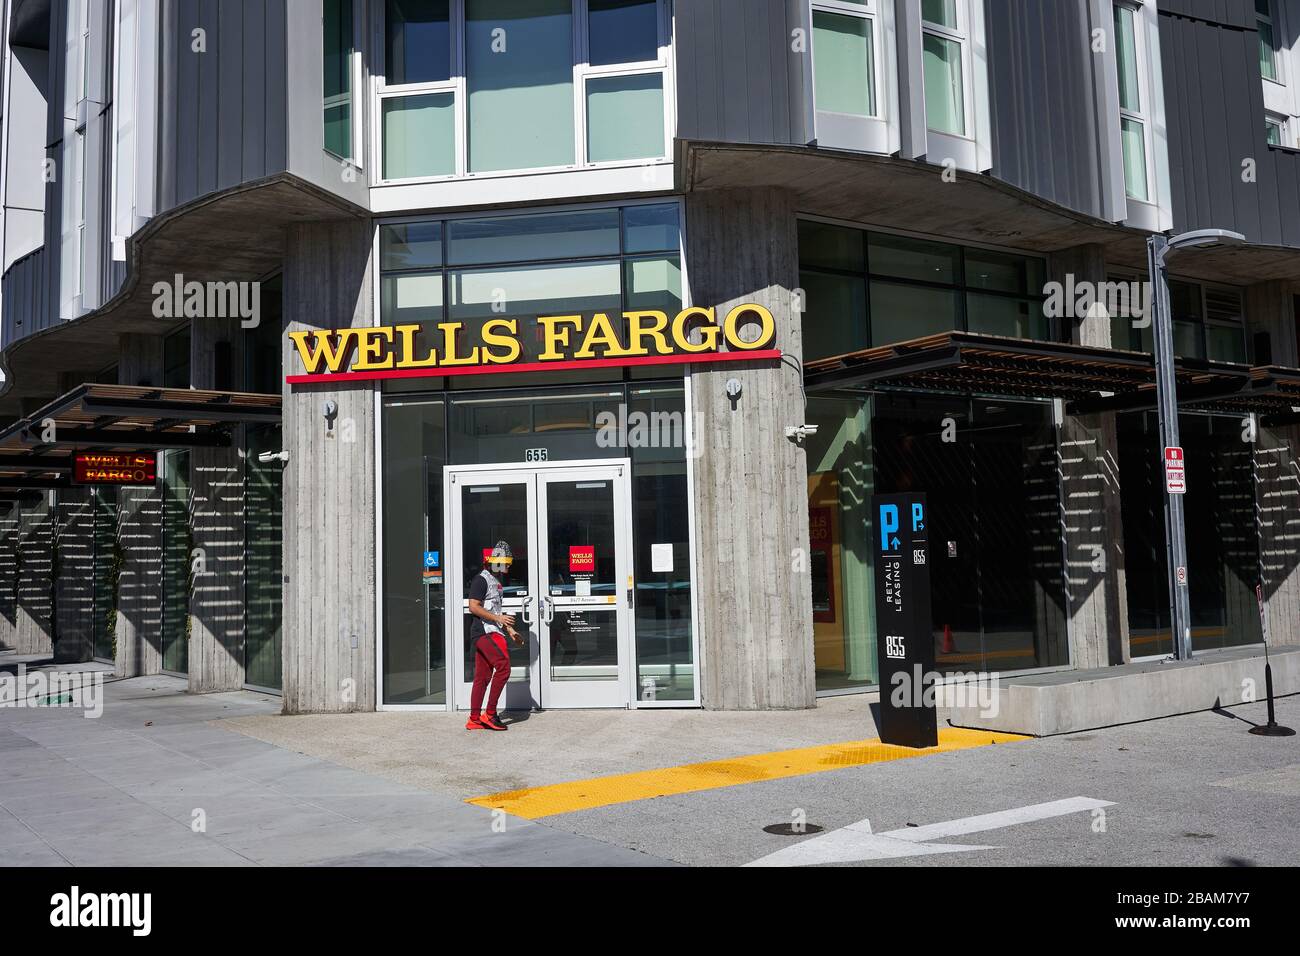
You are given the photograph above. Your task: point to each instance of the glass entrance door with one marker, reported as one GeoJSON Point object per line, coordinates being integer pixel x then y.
{"type": "Point", "coordinates": [569, 586]}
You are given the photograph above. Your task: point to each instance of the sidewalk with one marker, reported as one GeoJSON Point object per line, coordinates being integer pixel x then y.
{"type": "Point", "coordinates": [133, 786]}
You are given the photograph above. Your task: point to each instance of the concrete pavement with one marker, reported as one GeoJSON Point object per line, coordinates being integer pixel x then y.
{"type": "Point", "coordinates": [166, 778]}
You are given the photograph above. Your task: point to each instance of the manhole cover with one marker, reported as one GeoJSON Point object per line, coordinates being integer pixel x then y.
{"type": "Point", "coordinates": [789, 829]}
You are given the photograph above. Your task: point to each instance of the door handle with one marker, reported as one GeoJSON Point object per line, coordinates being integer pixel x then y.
{"type": "Point", "coordinates": [548, 610]}
{"type": "Point", "coordinates": [526, 613]}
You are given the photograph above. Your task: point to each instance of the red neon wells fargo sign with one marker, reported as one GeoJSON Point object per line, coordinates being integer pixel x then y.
{"type": "Point", "coordinates": [115, 470]}
{"type": "Point", "coordinates": [551, 343]}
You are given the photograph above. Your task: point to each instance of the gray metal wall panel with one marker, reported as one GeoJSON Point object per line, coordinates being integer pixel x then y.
{"type": "Point", "coordinates": [1214, 110]}
{"type": "Point", "coordinates": [1234, 13]}
{"type": "Point", "coordinates": [223, 111]}
{"type": "Point", "coordinates": [1045, 139]}
{"type": "Point", "coordinates": [733, 72]}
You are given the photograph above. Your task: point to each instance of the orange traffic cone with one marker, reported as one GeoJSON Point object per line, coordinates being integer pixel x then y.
{"type": "Point", "coordinates": [949, 647]}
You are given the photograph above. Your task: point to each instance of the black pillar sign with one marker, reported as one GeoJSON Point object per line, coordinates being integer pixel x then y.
{"type": "Point", "coordinates": [904, 635]}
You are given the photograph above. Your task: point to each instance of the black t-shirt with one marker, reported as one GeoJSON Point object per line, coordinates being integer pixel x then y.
{"type": "Point", "coordinates": [478, 589]}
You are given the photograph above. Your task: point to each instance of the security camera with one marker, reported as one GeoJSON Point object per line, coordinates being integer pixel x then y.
{"type": "Point", "coordinates": [267, 457]}
{"type": "Point", "coordinates": [799, 432]}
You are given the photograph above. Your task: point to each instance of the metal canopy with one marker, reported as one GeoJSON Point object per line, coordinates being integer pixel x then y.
{"type": "Point", "coordinates": [38, 451]}
{"type": "Point", "coordinates": [1090, 379]}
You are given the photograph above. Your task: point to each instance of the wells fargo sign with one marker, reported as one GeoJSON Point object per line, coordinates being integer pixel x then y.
{"type": "Point", "coordinates": [549, 343]}
{"type": "Point", "coordinates": [114, 470]}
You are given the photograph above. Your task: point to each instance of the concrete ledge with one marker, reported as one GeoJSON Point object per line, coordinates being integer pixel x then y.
{"type": "Point", "coordinates": [1068, 701]}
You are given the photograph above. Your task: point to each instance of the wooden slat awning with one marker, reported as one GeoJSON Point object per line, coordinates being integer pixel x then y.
{"type": "Point", "coordinates": [1090, 379]}
{"type": "Point", "coordinates": [38, 451]}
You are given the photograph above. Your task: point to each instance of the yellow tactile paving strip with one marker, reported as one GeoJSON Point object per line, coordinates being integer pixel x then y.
{"type": "Point", "coordinates": [535, 802]}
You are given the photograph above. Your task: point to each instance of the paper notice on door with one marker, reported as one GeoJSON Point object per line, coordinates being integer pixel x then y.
{"type": "Point", "coordinates": [582, 589]}
{"type": "Point", "coordinates": [661, 557]}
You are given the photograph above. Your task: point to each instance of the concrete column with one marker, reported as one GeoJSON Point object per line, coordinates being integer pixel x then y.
{"type": "Point", "coordinates": [139, 602]}
{"type": "Point", "coordinates": [34, 625]}
{"type": "Point", "coordinates": [8, 575]}
{"type": "Point", "coordinates": [217, 609]}
{"type": "Point", "coordinates": [329, 483]}
{"type": "Point", "coordinates": [74, 577]}
{"type": "Point", "coordinates": [751, 482]}
{"type": "Point", "coordinates": [1093, 525]}
{"type": "Point", "coordinates": [1270, 307]}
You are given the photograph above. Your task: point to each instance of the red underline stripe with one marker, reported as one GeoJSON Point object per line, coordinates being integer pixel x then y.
{"type": "Point", "coordinates": [440, 372]}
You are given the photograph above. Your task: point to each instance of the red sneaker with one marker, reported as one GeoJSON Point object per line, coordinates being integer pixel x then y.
{"type": "Point", "coordinates": [474, 723]}
{"type": "Point", "coordinates": [490, 722]}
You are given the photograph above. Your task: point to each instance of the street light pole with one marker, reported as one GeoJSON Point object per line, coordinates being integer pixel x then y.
{"type": "Point", "coordinates": [1162, 334]}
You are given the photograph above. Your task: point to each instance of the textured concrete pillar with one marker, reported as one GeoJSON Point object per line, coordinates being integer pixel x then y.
{"type": "Point", "coordinates": [74, 577]}
{"type": "Point", "coordinates": [751, 482]}
{"type": "Point", "coordinates": [1271, 309]}
{"type": "Point", "coordinates": [8, 575]}
{"type": "Point", "coordinates": [139, 602]}
{"type": "Point", "coordinates": [1093, 525]}
{"type": "Point", "coordinates": [34, 624]}
{"type": "Point", "coordinates": [329, 483]}
{"type": "Point", "coordinates": [1277, 467]}
{"type": "Point", "coordinates": [216, 652]}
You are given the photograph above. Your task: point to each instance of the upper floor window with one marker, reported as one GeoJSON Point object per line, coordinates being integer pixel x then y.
{"type": "Point", "coordinates": [1130, 66]}
{"type": "Point", "coordinates": [844, 58]}
{"type": "Point", "coordinates": [945, 36]}
{"type": "Point", "coordinates": [339, 55]}
{"type": "Point", "coordinates": [1275, 130]}
{"type": "Point", "coordinates": [490, 86]}
{"type": "Point", "coordinates": [1264, 23]}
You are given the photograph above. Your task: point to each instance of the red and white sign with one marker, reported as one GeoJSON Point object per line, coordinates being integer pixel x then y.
{"type": "Point", "coordinates": [1181, 574]}
{"type": "Point", "coordinates": [1175, 473]}
{"type": "Point", "coordinates": [582, 558]}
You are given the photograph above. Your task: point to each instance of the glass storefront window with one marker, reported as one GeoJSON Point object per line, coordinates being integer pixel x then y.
{"type": "Point", "coordinates": [1222, 543]}
{"type": "Point", "coordinates": [900, 312]}
{"type": "Point", "coordinates": [646, 423]}
{"type": "Point", "coordinates": [263, 560]}
{"type": "Point", "coordinates": [918, 259]}
{"type": "Point", "coordinates": [531, 237]}
{"type": "Point", "coordinates": [414, 451]}
{"type": "Point", "coordinates": [651, 228]}
{"type": "Point", "coordinates": [867, 289]}
{"type": "Point", "coordinates": [840, 486]}
{"type": "Point", "coordinates": [177, 543]}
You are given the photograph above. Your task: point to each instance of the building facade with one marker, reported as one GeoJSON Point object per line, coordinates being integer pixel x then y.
{"type": "Point", "coordinates": [373, 284]}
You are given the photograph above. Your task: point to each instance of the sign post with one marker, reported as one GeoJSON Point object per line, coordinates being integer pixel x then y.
{"type": "Point", "coordinates": [1272, 728]}
{"type": "Point", "coordinates": [904, 635]}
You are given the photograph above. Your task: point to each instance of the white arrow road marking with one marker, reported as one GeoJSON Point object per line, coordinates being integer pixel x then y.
{"type": "Point", "coordinates": [856, 842]}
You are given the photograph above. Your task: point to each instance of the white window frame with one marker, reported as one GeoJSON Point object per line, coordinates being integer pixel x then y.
{"type": "Point", "coordinates": [973, 148]}
{"type": "Point", "coordinates": [1141, 115]}
{"type": "Point", "coordinates": [877, 133]}
{"type": "Point", "coordinates": [1283, 124]}
{"type": "Point", "coordinates": [457, 84]}
{"type": "Point", "coordinates": [1154, 212]}
{"type": "Point", "coordinates": [1275, 23]}
{"type": "Point", "coordinates": [356, 91]}
{"type": "Point", "coordinates": [960, 35]}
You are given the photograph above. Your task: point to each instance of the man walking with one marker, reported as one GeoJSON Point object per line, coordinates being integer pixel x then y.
{"type": "Point", "coordinates": [487, 635]}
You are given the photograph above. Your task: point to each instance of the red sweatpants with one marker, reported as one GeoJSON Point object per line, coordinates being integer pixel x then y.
{"type": "Point", "coordinates": [491, 659]}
